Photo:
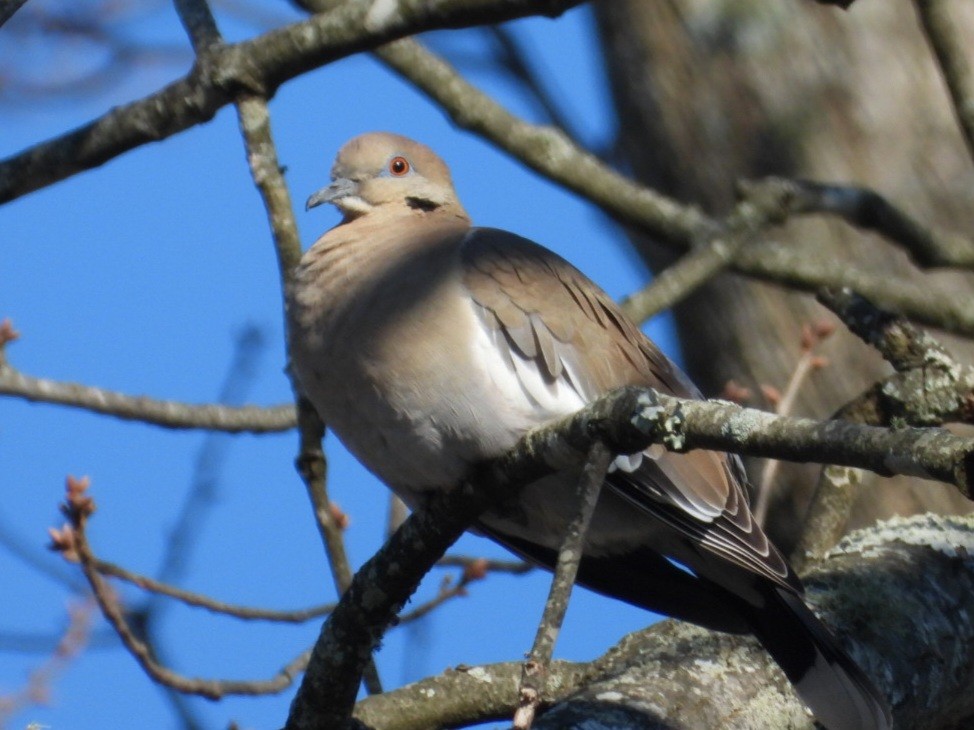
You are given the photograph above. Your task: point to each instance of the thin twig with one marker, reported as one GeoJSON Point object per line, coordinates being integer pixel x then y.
{"type": "Point", "coordinates": [78, 507]}
{"type": "Point", "coordinates": [448, 591]}
{"type": "Point", "coordinates": [255, 126]}
{"type": "Point", "coordinates": [534, 671]}
{"type": "Point", "coordinates": [165, 413]}
{"type": "Point", "coordinates": [809, 361]}
{"type": "Point", "coordinates": [190, 598]}
{"type": "Point", "coordinates": [515, 567]}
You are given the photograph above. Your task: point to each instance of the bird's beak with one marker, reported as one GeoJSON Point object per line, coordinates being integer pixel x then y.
{"type": "Point", "coordinates": [341, 187]}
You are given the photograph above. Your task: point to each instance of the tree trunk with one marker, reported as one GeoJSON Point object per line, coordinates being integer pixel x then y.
{"type": "Point", "coordinates": [711, 92]}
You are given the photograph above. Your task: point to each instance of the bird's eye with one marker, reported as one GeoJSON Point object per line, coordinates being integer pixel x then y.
{"type": "Point", "coordinates": [399, 166]}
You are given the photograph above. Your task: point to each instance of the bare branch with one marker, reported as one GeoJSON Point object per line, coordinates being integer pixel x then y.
{"type": "Point", "coordinates": [870, 211]}
{"type": "Point", "coordinates": [925, 302]}
{"type": "Point", "coordinates": [165, 413]}
{"type": "Point", "coordinates": [929, 388]}
{"type": "Point", "coordinates": [255, 126]}
{"type": "Point", "coordinates": [74, 541]}
{"type": "Point", "coordinates": [534, 671]}
{"type": "Point", "coordinates": [258, 66]}
{"type": "Point", "coordinates": [951, 51]}
{"type": "Point", "coordinates": [627, 420]}
{"type": "Point", "coordinates": [190, 598]}
{"type": "Point", "coordinates": [877, 592]}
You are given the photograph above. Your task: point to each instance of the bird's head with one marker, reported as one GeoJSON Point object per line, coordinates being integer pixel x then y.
{"type": "Point", "coordinates": [383, 169]}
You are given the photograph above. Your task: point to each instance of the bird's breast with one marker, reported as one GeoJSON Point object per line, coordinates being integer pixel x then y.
{"type": "Point", "coordinates": [401, 368]}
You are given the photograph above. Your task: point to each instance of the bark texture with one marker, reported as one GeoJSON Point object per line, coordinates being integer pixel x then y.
{"type": "Point", "coordinates": [899, 596]}
{"type": "Point", "coordinates": [711, 92]}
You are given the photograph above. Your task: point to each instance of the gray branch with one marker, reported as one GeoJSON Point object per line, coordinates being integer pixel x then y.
{"type": "Point", "coordinates": [627, 421]}
{"type": "Point", "coordinates": [165, 413]}
{"type": "Point", "coordinates": [551, 153]}
{"type": "Point", "coordinates": [896, 594]}
{"type": "Point", "coordinates": [259, 65]}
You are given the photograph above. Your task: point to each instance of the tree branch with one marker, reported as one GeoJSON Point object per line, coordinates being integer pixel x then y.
{"type": "Point", "coordinates": [165, 413]}
{"type": "Point", "coordinates": [258, 66]}
{"type": "Point", "coordinates": [627, 420]}
{"type": "Point", "coordinates": [893, 595]}
{"type": "Point", "coordinates": [534, 671]}
{"type": "Point", "coordinates": [73, 542]}
{"type": "Point", "coordinates": [463, 696]}
{"type": "Point", "coordinates": [911, 577]}
{"type": "Point", "coordinates": [950, 50]}
{"type": "Point", "coordinates": [929, 388]}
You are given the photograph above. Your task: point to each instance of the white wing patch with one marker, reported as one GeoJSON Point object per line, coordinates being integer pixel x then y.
{"type": "Point", "coordinates": [519, 384]}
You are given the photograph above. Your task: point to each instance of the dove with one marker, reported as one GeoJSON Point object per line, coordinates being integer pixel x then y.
{"type": "Point", "coordinates": [428, 345]}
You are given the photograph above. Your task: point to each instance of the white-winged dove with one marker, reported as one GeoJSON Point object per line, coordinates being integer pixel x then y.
{"type": "Point", "coordinates": [428, 345]}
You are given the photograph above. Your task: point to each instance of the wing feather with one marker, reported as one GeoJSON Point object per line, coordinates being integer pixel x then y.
{"type": "Point", "coordinates": [561, 328]}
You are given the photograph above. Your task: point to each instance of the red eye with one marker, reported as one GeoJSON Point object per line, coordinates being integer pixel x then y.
{"type": "Point", "coordinates": [399, 166]}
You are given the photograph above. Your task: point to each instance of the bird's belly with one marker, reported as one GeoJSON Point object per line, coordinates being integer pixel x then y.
{"type": "Point", "coordinates": [418, 417]}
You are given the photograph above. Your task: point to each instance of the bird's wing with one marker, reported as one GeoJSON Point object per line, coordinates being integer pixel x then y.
{"type": "Point", "coordinates": [544, 314]}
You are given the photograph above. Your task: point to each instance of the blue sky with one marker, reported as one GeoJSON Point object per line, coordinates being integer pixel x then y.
{"type": "Point", "coordinates": [138, 277]}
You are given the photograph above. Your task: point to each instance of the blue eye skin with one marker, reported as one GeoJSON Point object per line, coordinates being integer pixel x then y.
{"type": "Point", "coordinates": [398, 166]}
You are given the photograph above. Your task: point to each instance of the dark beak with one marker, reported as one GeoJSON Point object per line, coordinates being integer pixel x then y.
{"type": "Point", "coordinates": [342, 187]}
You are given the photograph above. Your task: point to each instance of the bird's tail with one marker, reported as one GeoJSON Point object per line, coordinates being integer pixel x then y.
{"type": "Point", "coordinates": [836, 690]}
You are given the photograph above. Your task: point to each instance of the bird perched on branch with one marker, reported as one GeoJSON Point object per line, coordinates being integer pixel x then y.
{"type": "Point", "coordinates": [428, 345]}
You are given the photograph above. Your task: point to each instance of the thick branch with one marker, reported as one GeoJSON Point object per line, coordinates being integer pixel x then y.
{"type": "Point", "coordinates": [627, 420]}
{"type": "Point", "coordinates": [893, 594]}
{"type": "Point", "coordinates": [929, 388]}
{"type": "Point", "coordinates": [260, 65]}
{"type": "Point", "coordinates": [463, 696]}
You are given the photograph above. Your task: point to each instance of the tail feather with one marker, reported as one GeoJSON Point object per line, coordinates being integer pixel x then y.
{"type": "Point", "coordinates": [836, 690]}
